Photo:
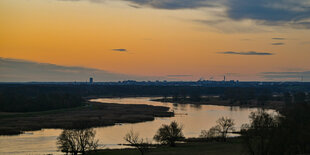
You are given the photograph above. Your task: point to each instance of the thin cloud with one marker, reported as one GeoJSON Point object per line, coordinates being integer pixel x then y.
{"type": "Point", "coordinates": [278, 38]}
{"type": "Point", "coordinates": [15, 70]}
{"type": "Point", "coordinates": [174, 4]}
{"type": "Point", "coordinates": [180, 75]}
{"type": "Point", "coordinates": [266, 12]}
{"type": "Point", "coordinates": [246, 53]}
{"type": "Point", "coordinates": [277, 44]}
{"type": "Point", "coordinates": [246, 39]}
{"type": "Point", "coordinates": [269, 11]}
{"type": "Point", "coordinates": [305, 43]}
{"type": "Point", "coordinates": [120, 50]}
{"type": "Point", "coordinates": [295, 14]}
{"type": "Point", "coordinates": [305, 25]}
{"type": "Point", "coordinates": [135, 6]}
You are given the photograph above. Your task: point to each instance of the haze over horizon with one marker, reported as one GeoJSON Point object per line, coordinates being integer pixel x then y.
{"type": "Point", "coordinates": [247, 40]}
{"type": "Point", "coordinates": [17, 70]}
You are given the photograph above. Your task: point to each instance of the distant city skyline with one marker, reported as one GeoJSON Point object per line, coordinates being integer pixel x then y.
{"type": "Point", "coordinates": [16, 70]}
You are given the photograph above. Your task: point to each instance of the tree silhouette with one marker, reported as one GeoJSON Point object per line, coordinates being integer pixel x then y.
{"type": "Point", "coordinates": [169, 134]}
{"type": "Point", "coordinates": [259, 133]}
{"type": "Point", "coordinates": [143, 145]}
{"type": "Point", "coordinates": [224, 126]}
{"type": "Point", "coordinates": [77, 141]}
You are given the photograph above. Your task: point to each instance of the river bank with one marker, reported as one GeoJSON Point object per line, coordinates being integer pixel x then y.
{"type": "Point", "coordinates": [234, 146]}
{"type": "Point", "coordinates": [193, 118]}
{"type": "Point", "coordinates": [275, 105]}
{"type": "Point", "coordinates": [94, 113]}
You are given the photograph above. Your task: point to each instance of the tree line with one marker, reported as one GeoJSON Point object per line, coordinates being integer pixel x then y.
{"type": "Point", "coordinates": [41, 97]}
{"type": "Point", "coordinates": [15, 102]}
{"type": "Point", "coordinates": [146, 90]}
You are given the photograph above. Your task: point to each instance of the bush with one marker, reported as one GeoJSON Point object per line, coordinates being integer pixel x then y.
{"type": "Point", "coordinates": [260, 133]}
{"type": "Point", "coordinates": [169, 134]}
{"type": "Point", "coordinates": [224, 125]}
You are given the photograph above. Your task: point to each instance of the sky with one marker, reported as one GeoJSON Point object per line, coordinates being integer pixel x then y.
{"type": "Point", "coordinates": [247, 40]}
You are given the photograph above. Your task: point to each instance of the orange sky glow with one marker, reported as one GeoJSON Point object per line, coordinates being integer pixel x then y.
{"type": "Point", "coordinates": [158, 42]}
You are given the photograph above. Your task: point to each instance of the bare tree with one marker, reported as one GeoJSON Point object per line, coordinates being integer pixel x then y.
{"type": "Point", "coordinates": [213, 132]}
{"type": "Point", "coordinates": [66, 142]}
{"type": "Point", "coordinates": [225, 125]}
{"type": "Point", "coordinates": [169, 134]}
{"type": "Point", "coordinates": [77, 141]}
{"type": "Point", "coordinates": [143, 145]}
{"type": "Point", "coordinates": [203, 134]}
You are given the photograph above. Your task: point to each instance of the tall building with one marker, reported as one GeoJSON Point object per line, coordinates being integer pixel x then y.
{"type": "Point", "coordinates": [91, 80]}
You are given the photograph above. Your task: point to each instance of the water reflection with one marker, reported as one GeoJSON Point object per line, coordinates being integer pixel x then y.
{"type": "Point", "coordinates": [194, 118]}
{"type": "Point", "coordinates": [196, 106]}
{"type": "Point", "coordinates": [234, 108]}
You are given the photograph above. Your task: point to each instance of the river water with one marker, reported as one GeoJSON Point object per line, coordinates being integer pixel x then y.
{"type": "Point", "coordinates": [193, 118]}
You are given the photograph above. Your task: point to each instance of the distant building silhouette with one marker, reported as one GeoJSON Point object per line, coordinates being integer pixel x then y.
{"type": "Point", "coordinates": [91, 80]}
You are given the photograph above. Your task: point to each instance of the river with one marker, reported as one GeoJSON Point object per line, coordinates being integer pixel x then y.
{"type": "Point", "coordinates": [192, 117]}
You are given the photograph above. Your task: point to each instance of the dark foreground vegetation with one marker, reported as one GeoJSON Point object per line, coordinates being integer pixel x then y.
{"type": "Point", "coordinates": [266, 134]}
{"type": "Point", "coordinates": [79, 140]}
{"type": "Point", "coordinates": [287, 133]}
{"type": "Point", "coordinates": [26, 107]}
{"type": "Point", "coordinates": [234, 146]}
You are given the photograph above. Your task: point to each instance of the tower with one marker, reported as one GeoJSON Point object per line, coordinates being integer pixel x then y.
{"type": "Point", "coordinates": [91, 80]}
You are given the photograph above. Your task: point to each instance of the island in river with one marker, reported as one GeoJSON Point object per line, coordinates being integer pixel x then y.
{"type": "Point", "coordinates": [95, 114]}
{"type": "Point", "coordinates": [217, 100]}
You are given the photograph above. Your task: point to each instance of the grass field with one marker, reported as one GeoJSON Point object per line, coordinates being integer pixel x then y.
{"type": "Point", "coordinates": [233, 147]}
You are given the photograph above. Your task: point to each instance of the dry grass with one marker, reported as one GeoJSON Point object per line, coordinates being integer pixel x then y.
{"type": "Point", "coordinates": [96, 114]}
